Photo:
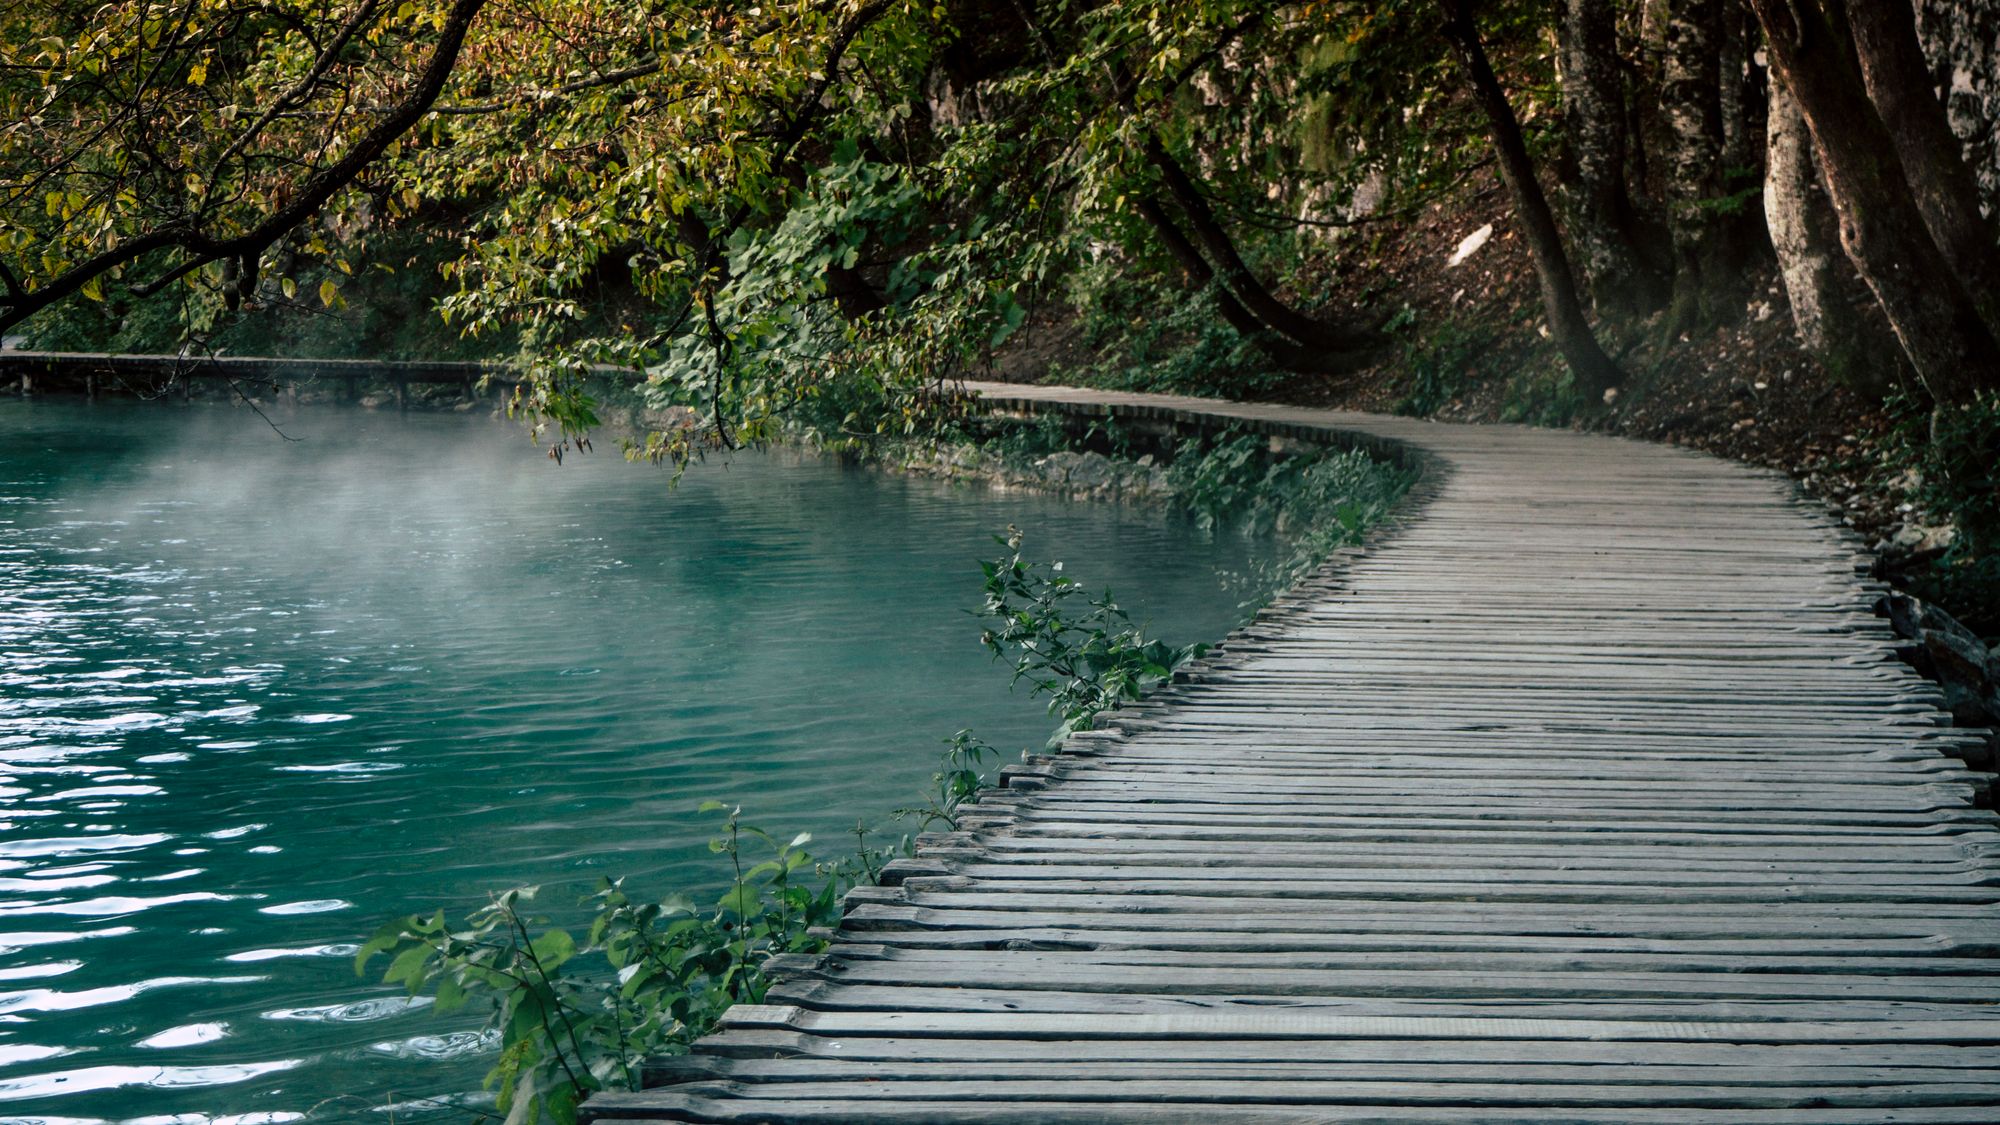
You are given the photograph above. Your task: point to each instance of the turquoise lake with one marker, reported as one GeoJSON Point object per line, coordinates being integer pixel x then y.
{"type": "Point", "coordinates": [259, 695]}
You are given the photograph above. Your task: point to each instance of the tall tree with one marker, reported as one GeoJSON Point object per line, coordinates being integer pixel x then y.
{"type": "Point", "coordinates": [1951, 347]}
{"type": "Point", "coordinates": [1961, 41]}
{"type": "Point", "coordinates": [1742, 96]}
{"type": "Point", "coordinates": [1707, 272]}
{"type": "Point", "coordinates": [1594, 371]}
{"type": "Point", "coordinates": [1899, 83]}
{"type": "Point", "coordinates": [1605, 222]}
{"type": "Point", "coordinates": [1819, 281]}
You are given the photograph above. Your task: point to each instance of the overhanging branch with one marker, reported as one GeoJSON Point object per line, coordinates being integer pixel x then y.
{"type": "Point", "coordinates": [312, 195]}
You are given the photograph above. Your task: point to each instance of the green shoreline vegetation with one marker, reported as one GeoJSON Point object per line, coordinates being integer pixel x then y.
{"type": "Point", "coordinates": [578, 1010]}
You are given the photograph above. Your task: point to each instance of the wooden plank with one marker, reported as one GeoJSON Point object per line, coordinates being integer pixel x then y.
{"type": "Point", "coordinates": [1752, 913]}
{"type": "Point", "coordinates": [673, 1104]}
{"type": "Point", "coordinates": [766, 1043]}
{"type": "Point", "coordinates": [1261, 1023]}
{"type": "Point", "coordinates": [826, 996]}
{"type": "Point", "coordinates": [1100, 932]}
{"type": "Point", "coordinates": [867, 1094]}
{"type": "Point", "coordinates": [1441, 1073]}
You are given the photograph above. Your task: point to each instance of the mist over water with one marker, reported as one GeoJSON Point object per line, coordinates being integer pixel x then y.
{"type": "Point", "coordinates": [257, 696]}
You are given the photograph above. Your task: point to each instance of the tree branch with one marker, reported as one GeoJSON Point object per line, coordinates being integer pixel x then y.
{"type": "Point", "coordinates": [302, 87]}
{"type": "Point", "coordinates": [524, 97]}
{"type": "Point", "coordinates": [314, 194]}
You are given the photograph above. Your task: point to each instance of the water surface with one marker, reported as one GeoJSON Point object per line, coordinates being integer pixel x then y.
{"type": "Point", "coordinates": [259, 695]}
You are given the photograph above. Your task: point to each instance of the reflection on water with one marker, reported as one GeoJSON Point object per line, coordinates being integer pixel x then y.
{"type": "Point", "coordinates": [257, 696]}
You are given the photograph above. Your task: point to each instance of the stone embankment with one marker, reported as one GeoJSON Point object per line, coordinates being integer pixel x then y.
{"type": "Point", "coordinates": [1079, 474]}
{"type": "Point", "coordinates": [1963, 664]}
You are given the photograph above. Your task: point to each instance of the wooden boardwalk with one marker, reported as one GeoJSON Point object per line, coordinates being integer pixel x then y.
{"type": "Point", "coordinates": [1593, 792]}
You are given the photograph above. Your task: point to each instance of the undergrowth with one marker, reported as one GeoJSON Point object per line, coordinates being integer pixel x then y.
{"type": "Point", "coordinates": [1952, 455]}
{"type": "Point", "coordinates": [1435, 366]}
{"type": "Point", "coordinates": [1543, 394]}
{"type": "Point", "coordinates": [1150, 339]}
{"type": "Point", "coordinates": [1315, 502]}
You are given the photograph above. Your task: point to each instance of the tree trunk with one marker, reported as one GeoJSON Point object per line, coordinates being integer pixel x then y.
{"type": "Point", "coordinates": [1819, 280]}
{"type": "Point", "coordinates": [1899, 83]}
{"type": "Point", "coordinates": [1639, 47]}
{"type": "Point", "coordinates": [1605, 223]}
{"type": "Point", "coordinates": [1199, 273]}
{"type": "Point", "coordinates": [1742, 95]}
{"type": "Point", "coordinates": [1941, 331]}
{"type": "Point", "coordinates": [1706, 278]}
{"type": "Point", "coordinates": [1961, 41]}
{"type": "Point", "coordinates": [1235, 273]}
{"type": "Point", "coordinates": [1594, 371]}
{"type": "Point", "coordinates": [1745, 99]}
{"type": "Point", "coordinates": [1289, 355]}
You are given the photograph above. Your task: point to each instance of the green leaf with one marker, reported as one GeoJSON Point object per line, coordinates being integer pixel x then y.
{"type": "Point", "coordinates": [741, 900]}
{"type": "Point", "coordinates": [385, 939]}
{"type": "Point", "coordinates": [553, 948]}
{"type": "Point", "coordinates": [408, 968]}
{"type": "Point", "coordinates": [451, 995]}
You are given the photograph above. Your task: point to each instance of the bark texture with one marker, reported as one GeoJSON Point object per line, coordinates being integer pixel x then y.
{"type": "Point", "coordinates": [1820, 283]}
{"type": "Point", "coordinates": [1962, 44]}
{"type": "Point", "coordinates": [1899, 83]}
{"type": "Point", "coordinates": [1594, 371]}
{"type": "Point", "coordinates": [1707, 280]}
{"type": "Point", "coordinates": [1941, 331]}
{"type": "Point", "coordinates": [1741, 95]}
{"type": "Point", "coordinates": [1604, 221]}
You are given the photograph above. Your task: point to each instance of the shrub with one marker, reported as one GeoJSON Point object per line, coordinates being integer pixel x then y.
{"type": "Point", "coordinates": [1955, 453]}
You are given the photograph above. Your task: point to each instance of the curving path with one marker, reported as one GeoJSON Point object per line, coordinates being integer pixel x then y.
{"type": "Point", "coordinates": [1593, 792]}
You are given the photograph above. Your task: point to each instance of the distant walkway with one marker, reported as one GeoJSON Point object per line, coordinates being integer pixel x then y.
{"type": "Point", "coordinates": [1592, 793]}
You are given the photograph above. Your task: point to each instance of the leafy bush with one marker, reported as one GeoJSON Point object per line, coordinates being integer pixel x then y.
{"type": "Point", "coordinates": [1151, 337]}
{"type": "Point", "coordinates": [1435, 366]}
{"type": "Point", "coordinates": [1086, 663]}
{"type": "Point", "coordinates": [646, 978]}
{"type": "Point", "coordinates": [1015, 440]}
{"type": "Point", "coordinates": [1320, 501]}
{"type": "Point", "coordinates": [1543, 395]}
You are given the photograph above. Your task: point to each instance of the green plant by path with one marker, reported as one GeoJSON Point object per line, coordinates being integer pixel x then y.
{"type": "Point", "coordinates": [1154, 338]}
{"type": "Point", "coordinates": [1542, 394]}
{"type": "Point", "coordinates": [580, 1014]}
{"type": "Point", "coordinates": [1953, 456]}
{"type": "Point", "coordinates": [1436, 364]}
{"type": "Point", "coordinates": [1086, 662]}
{"type": "Point", "coordinates": [1319, 501]}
